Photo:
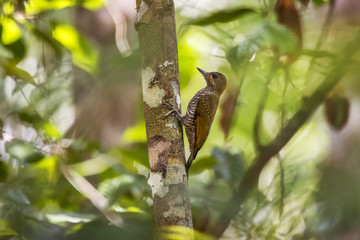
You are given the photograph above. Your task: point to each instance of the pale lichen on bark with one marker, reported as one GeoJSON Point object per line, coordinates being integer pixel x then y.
{"type": "Point", "coordinates": [157, 185]}
{"type": "Point", "coordinates": [152, 96]}
{"type": "Point", "coordinates": [176, 93]}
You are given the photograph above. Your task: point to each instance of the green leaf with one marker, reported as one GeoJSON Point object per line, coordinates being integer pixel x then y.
{"type": "Point", "coordinates": [83, 54]}
{"type": "Point", "coordinates": [17, 47]}
{"type": "Point", "coordinates": [272, 34]}
{"type": "Point", "coordinates": [223, 16]}
{"type": "Point", "coordinates": [70, 217]}
{"type": "Point", "coordinates": [114, 188]}
{"type": "Point", "coordinates": [202, 164]}
{"type": "Point", "coordinates": [17, 73]}
{"type": "Point", "coordinates": [321, 2]}
{"type": "Point", "coordinates": [318, 53]}
{"type": "Point", "coordinates": [50, 164]}
{"type": "Point", "coordinates": [93, 4]}
{"type": "Point", "coordinates": [37, 6]}
{"type": "Point", "coordinates": [279, 36]}
{"type": "Point", "coordinates": [137, 153]}
{"type": "Point", "coordinates": [6, 232]}
{"type": "Point", "coordinates": [51, 130]}
{"type": "Point", "coordinates": [230, 166]}
{"type": "Point", "coordinates": [8, 8]}
{"type": "Point", "coordinates": [30, 116]}
{"type": "Point", "coordinates": [23, 151]}
{"type": "Point", "coordinates": [187, 61]}
{"type": "Point", "coordinates": [135, 133]}
{"type": "Point", "coordinates": [243, 52]}
{"type": "Point", "coordinates": [10, 31]}
{"type": "Point", "coordinates": [48, 128]}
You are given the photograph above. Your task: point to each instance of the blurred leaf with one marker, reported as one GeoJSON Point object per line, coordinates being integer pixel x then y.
{"type": "Point", "coordinates": [337, 206]}
{"type": "Point", "coordinates": [202, 164]}
{"type": "Point", "coordinates": [228, 109]}
{"type": "Point", "coordinates": [51, 130]}
{"type": "Point", "coordinates": [8, 8]}
{"type": "Point", "coordinates": [127, 156]}
{"type": "Point", "coordinates": [201, 215]}
{"type": "Point", "coordinates": [84, 55]}
{"type": "Point", "coordinates": [17, 49]}
{"type": "Point", "coordinates": [93, 4]}
{"type": "Point", "coordinates": [288, 15]}
{"type": "Point", "coordinates": [318, 53]}
{"type": "Point", "coordinates": [176, 233]}
{"type": "Point", "coordinates": [17, 73]}
{"type": "Point", "coordinates": [19, 197]}
{"type": "Point", "coordinates": [114, 188]}
{"type": "Point", "coordinates": [187, 62]}
{"type": "Point", "coordinates": [23, 151]}
{"type": "Point", "coordinates": [3, 171]}
{"type": "Point", "coordinates": [135, 133]}
{"type": "Point", "coordinates": [134, 228]}
{"type": "Point", "coordinates": [230, 166]}
{"type": "Point", "coordinates": [337, 107]}
{"type": "Point", "coordinates": [280, 37]}
{"type": "Point", "coordinates": [321, 2]}
{"type": "Point", "coordinates": [243, 52]}
{"type": "Point", "coordinates": [223, 16]}
{"type": "Point", "coordinates": [28, 115]}
{"type": "Point", "coordinates": [6, 232]}
{"type": "Point", "coordinates": [37, 6]}
{"type": "Point", "coordinates": [49, 164]}
{"type": "Point", "coordinates": [70, 217]}
{"type": "Point", "coordinates": [10, 31]}
{"type": "Point", "coordinates": [46, 37]}
{"type": "Point", "coordinates": [94, 165]}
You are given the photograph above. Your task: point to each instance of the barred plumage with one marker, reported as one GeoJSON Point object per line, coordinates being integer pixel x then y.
{"type": "Point", "coordinates": [200, 112]}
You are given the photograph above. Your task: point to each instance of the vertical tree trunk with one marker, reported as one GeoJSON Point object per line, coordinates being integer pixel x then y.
{"type": "Point", "coordinates": [155, 24]}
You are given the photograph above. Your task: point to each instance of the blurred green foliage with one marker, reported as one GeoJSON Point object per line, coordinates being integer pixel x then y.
{"type": "Point", "coordinates": [41, 50]}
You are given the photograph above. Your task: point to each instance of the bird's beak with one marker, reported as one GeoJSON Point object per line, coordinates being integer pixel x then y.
{"type": "Point", "coordinates": [205, 74]}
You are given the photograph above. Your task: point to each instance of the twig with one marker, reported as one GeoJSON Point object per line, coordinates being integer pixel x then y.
{"type": "Point", "coordinates": [323, 34]}
{"type": "Point", "coordinates": [260, 110]}
{"type": "Point", "coordinates": [282, 184]}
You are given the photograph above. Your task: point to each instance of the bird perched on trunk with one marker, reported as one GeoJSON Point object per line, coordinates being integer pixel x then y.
{"type": "Point", "coordinates": [200, 112]}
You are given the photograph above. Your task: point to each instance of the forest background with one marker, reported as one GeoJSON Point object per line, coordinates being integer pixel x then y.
{"type": "Point", "coordinates": [74, 159]}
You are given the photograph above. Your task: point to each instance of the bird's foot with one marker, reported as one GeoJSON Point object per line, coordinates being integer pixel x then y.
{"type": "Point", "coordinates": [173, 111]}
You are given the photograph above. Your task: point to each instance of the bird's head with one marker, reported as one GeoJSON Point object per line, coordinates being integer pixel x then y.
{"type": "Point", "coordinates": [214, 80]}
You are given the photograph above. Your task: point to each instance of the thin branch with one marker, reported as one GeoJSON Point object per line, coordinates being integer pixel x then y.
{"type": "Point", "coordinates": [323, 34]}
{"type": "Point", "coordinates": [260, 110]}
{"type": "Point", "coordinates": [310, 104]}
{"type": "Point", "coordinates": [282, 183]}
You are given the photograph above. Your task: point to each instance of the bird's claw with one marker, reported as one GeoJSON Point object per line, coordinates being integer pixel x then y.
{"type": "Point", "coordinates": [172, 111]}
{"type": "Point", "coordinates": [169, 105]}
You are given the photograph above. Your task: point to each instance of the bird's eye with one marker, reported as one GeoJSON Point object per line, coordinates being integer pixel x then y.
{"type": "Point", "coordinates": [214, 75]}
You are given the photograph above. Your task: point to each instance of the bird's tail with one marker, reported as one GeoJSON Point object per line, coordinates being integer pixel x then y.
{"type": "Point", "coordinates": [189, 162]}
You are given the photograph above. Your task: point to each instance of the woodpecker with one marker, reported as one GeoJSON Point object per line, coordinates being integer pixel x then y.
{"type": "Point", "coordinates": [200, 112]}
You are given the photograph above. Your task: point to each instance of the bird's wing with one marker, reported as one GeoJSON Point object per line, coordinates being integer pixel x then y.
{"type": "Point", "coordinates": [202, 122]}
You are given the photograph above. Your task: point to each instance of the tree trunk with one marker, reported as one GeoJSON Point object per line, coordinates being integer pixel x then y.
{"type": "Point", "coordinates": [155, 24]}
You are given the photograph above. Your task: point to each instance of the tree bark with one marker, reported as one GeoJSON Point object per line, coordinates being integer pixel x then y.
{"type": "Point", "coordinates": [155, 24]}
